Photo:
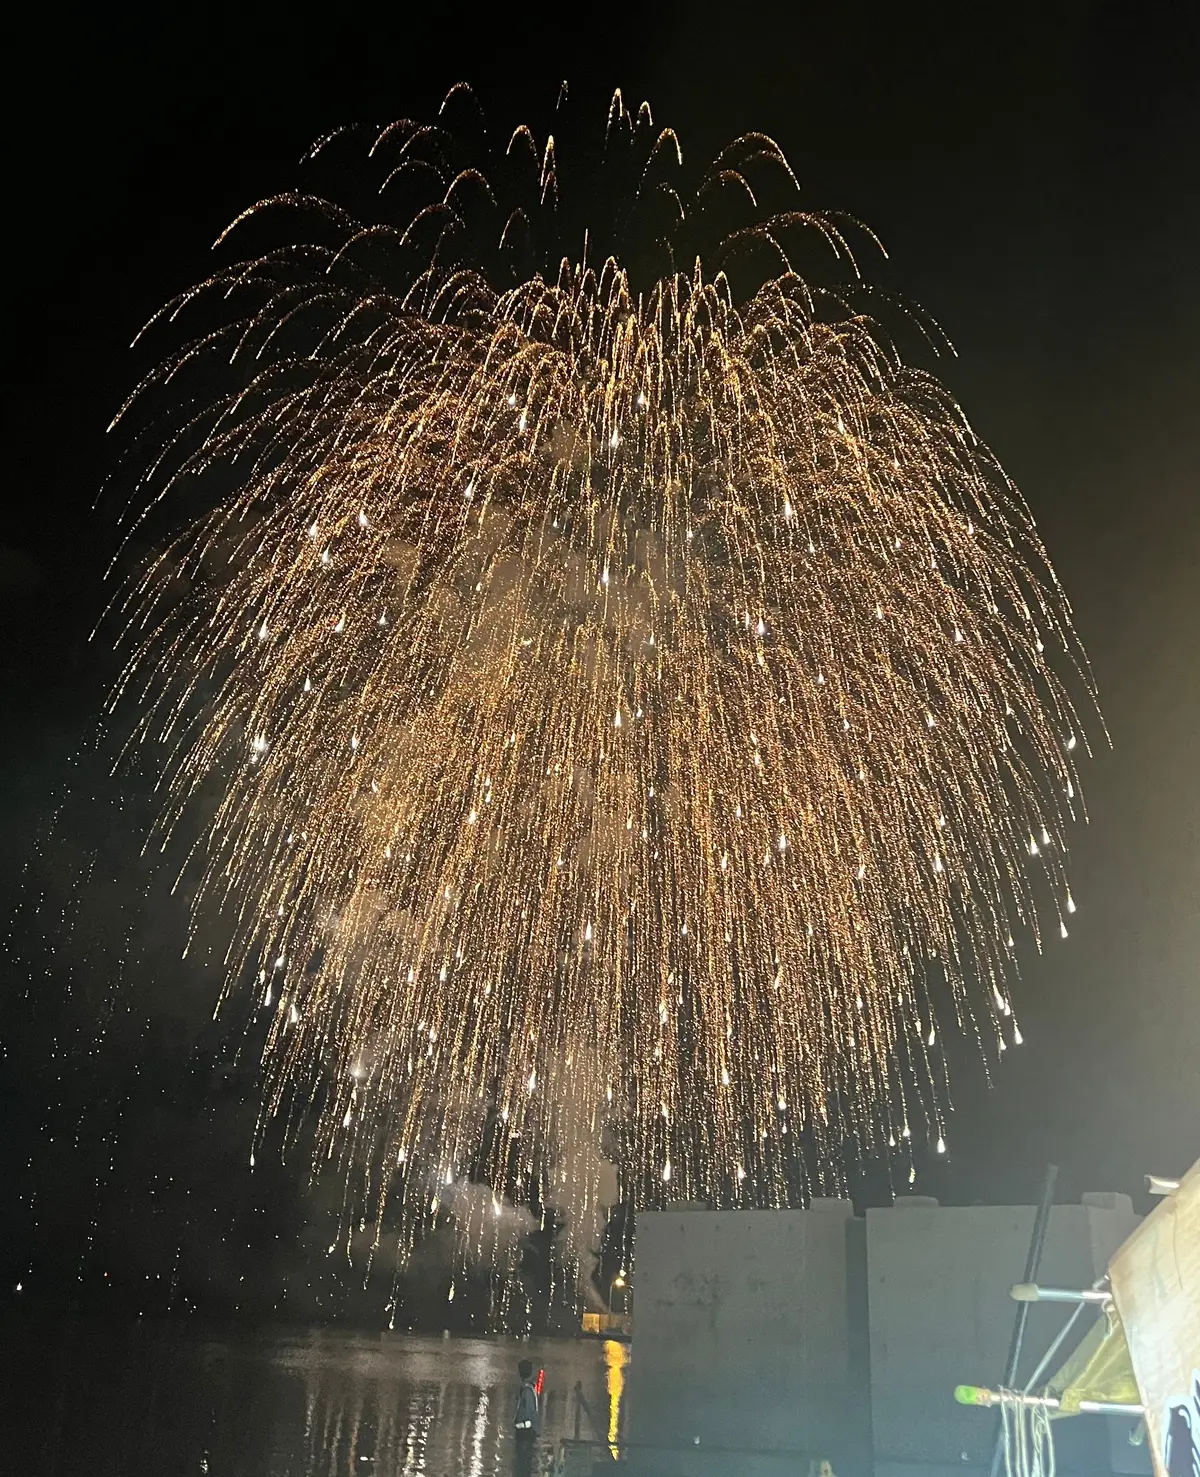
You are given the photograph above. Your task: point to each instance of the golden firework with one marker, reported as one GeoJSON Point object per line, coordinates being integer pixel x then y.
{"type": "Point", "coordinates": [627, 706]}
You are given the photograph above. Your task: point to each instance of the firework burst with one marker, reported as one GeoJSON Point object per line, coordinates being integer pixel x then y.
{"type": "Point", "coordinates": [631, 705]}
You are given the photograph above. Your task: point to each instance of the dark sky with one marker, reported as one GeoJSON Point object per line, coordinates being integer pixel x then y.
{"type": "Point", "coordinates": [1033, 173]}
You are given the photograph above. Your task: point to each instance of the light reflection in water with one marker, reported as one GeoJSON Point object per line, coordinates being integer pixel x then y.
{"type": "Point", "coordinates": [415, 1408]}
{"type": "Point", "coordinates": [616, 1357]}
{"type": "Point", "coordinates": [357, 1419]}
{"type": "Point", "coordinates": [477, 1434]}
{"type": "Point", "coordinates": [328, 1403]}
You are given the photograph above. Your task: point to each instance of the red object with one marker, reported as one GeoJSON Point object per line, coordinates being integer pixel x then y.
{"type": "Point", "coordinates": [541, 1380]}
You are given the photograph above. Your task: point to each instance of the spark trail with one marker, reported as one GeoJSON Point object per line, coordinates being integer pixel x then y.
{"type": "Point", "coordinates": [630, 702]}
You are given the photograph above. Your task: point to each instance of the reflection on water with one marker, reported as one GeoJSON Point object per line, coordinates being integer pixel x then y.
{"type": "Point", "coordinates": [616, 1356]}
{"type": "Point", "coordinates": [164, 1401]}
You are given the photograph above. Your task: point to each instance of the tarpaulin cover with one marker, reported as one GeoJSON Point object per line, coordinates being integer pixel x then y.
{"type": "Point", "coordinates": [1099, 1369]}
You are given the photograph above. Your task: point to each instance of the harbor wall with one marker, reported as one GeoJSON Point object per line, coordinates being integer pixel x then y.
{"type": "Point", "coordinates": [744, 1337]}
{"type": "Point", "coordinates": [817, 1335]}
{"type": "Point", "coordinates": [940, 1314]}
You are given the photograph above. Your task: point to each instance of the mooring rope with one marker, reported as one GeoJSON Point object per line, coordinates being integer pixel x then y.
{"type": "Point", "coordinates": [1028, 1442]}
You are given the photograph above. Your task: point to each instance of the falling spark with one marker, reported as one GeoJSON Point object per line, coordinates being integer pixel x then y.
{"type": "Point", "coordinates": [565, 489]}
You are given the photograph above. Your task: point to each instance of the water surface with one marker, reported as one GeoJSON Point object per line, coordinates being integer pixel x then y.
{"type": "Point", "coordinates": [167, 1401]}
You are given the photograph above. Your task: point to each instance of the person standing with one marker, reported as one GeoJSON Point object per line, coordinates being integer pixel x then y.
{"type": "Point", "coordinates": [525, 1422]}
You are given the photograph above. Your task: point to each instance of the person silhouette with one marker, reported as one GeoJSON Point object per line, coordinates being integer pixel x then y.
{"type": "Point", "coordinates": [526, 1419]}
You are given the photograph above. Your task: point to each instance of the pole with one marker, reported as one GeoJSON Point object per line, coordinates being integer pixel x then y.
{"type": "Point", "coordinates": [1030, 1292]}
{"type": "Point", "coordinates": [1033, 1260]}
{"type": "Point", "coordinates": [973, 1395]}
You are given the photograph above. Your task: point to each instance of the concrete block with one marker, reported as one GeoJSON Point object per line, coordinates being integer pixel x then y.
{"type": "Point", "coordinates": [742, 1332]}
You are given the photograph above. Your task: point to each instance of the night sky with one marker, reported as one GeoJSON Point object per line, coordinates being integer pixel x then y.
{"type": "Point", "coordinates": [1033, 174]}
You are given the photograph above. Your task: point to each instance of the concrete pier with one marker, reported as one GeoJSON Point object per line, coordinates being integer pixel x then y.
{"type": "Point", "coordinates": [743, 1336]}
{"type": "Point", "coordinates": [811, 1335]}
{"type": "Point", "coordinates": [938, 1280]}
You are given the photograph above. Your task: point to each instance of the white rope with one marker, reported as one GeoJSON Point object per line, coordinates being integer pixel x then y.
{"type": "Point", "coordinates": [1028, 1443]}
